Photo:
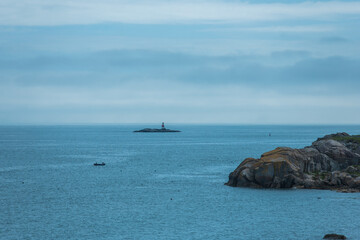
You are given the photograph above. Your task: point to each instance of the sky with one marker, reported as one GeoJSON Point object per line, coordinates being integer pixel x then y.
{"type": "Point", "coordinates": [210, 62]}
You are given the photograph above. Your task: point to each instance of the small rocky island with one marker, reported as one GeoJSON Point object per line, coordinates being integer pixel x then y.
{"type": "Point", "coordinates": [162, 129]}
{"type": "Point", "coordinates": [331, 162]}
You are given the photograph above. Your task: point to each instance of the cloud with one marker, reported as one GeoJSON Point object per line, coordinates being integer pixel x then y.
{"type": "Point", "coordinates": [172, 102]}
{"type": "Point", "coordinates": [290, 53]}
{"type": "Point", "coordinates": [150, 86]}
{"type": "Point", "coordinates": [179, 61]}
{"type": "Point", "coordinates": [278, 29]}
{"type": "Point", "coordinates": [334, 39]}
{"type": "Point", "coordinates": [281, 69]}
{"type": "Point", "coordinates": [45, 13]}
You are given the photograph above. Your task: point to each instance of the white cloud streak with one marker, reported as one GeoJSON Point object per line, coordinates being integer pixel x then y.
{"type": "Point", "coordinates": [277, 29]}
{"type": "Point", "coordinates": [65, 12]}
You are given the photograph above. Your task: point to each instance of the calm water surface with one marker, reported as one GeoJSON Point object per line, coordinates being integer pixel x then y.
{"type": "Point", "coordinates": [158, 185]}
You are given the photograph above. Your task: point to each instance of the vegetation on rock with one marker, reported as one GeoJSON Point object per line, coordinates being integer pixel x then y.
{"type": "Point", "coordinates": [347, 139]}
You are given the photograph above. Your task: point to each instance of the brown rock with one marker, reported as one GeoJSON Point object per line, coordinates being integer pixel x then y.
{"type": "Point", "coordinates": [326, 164]}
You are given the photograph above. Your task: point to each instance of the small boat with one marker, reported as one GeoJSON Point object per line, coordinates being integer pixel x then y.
{"type": "Point", "coordinates": [99, 164]}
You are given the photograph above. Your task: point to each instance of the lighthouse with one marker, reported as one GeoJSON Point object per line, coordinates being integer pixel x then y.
{"type": "Point", "coordinates": [163, 126]}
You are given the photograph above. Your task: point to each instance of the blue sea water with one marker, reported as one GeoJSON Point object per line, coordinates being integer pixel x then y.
{"type": "Point", "coordinates": [158, 185]}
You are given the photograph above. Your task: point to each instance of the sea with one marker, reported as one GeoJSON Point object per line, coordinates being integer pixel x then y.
{"type": "Point", "coordinates": [159, 185]}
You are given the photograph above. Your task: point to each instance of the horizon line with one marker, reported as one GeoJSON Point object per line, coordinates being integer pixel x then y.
{"type": "Point", "coordinates": [177, 123]}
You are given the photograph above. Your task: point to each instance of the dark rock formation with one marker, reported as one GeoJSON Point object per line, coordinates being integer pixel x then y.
{"type": "Point", "coordinates": [331, 162]}
{"type": "Point", "coordinates": [162, 129]}
{"type": "Point", "coordinates": [334, 236]}
{"type": "Point", "coordinates": [156, 130]}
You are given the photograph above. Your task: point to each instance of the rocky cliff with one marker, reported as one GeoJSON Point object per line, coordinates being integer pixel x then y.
{"type": "Point", "coordinates": [331, 162]}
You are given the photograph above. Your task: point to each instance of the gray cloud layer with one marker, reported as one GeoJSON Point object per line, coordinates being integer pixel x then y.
{"type": "Point", "coordinates": [111, 67]}
{"type": "Point", "coordinates": [56, 12]}
{"type": "Point", "coordinates": [201, 61]}
{"type": "Point", "coordinates": [146, 86]}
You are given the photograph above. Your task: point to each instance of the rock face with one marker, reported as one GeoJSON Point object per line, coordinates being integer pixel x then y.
{"type": "Point", "coordinates": [331, 162]}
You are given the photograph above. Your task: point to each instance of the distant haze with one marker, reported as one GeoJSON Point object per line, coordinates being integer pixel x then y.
{"type": "Point", "coordinates": [236, 62]}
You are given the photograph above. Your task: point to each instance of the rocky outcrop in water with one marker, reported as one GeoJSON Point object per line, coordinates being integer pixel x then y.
{"type": "Point", "coordinates": [334, 236]}
{"type": "Point", "coordinates": [151, 130]}
{"type": "Point", "coordinates": [331, 162]}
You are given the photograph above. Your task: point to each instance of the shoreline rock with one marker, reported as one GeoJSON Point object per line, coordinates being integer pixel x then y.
{"type": "Point", "coordinates": [331, 162]}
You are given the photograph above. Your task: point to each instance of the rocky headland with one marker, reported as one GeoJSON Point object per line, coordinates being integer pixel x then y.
{"type": "Point", "coordinates": [331, 162]}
